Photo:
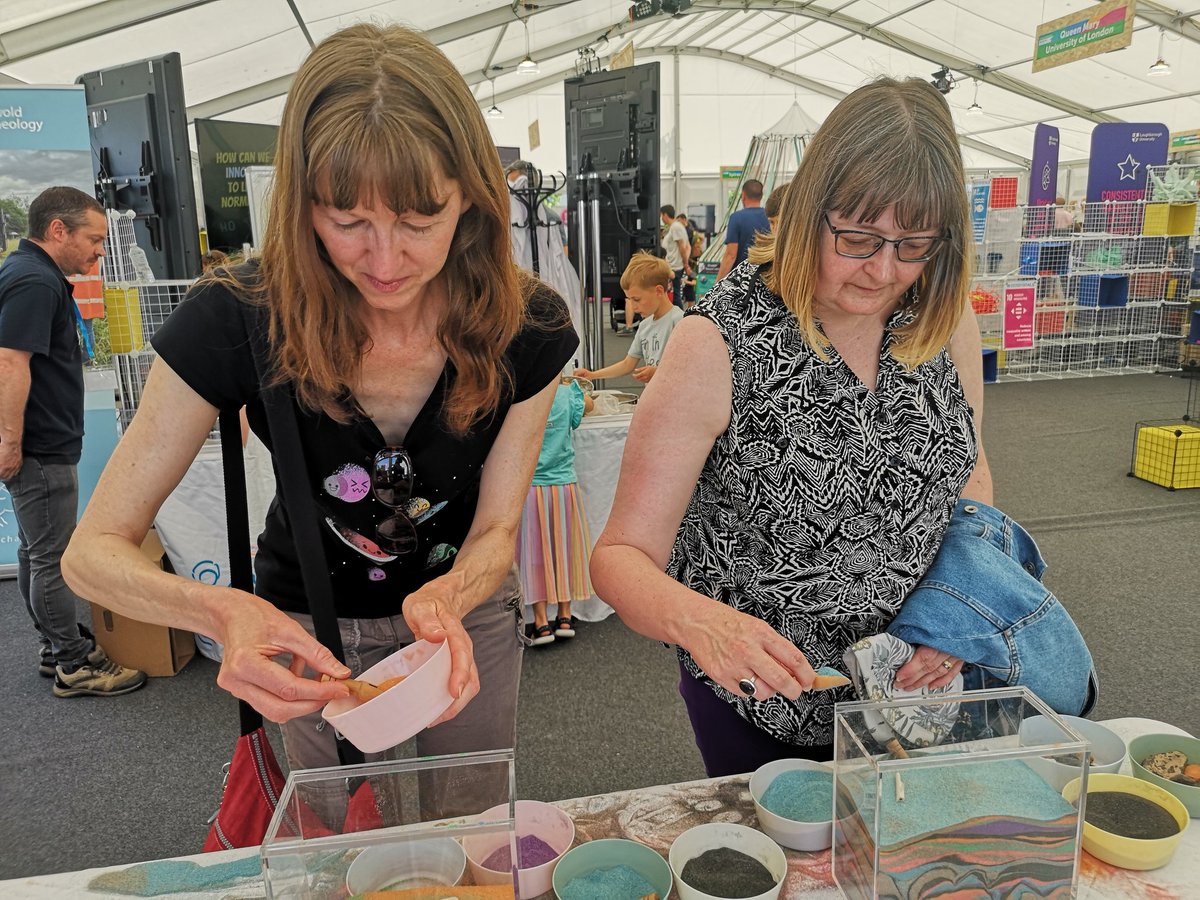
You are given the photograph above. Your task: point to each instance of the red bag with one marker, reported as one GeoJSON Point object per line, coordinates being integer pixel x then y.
{"type": "Point", "coordinates": [251, 795]}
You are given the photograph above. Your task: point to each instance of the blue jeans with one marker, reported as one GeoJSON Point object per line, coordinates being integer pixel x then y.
{"type": "Point", "coordinates": [45, 503]}
{"type": "Point", "coordinates": [677, 288]}
{"type": "Point", "coordinates": [983, 601]}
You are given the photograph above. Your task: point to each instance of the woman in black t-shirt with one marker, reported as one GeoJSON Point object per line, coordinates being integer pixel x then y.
{"type": "Point", "coordinates": [396, 316]}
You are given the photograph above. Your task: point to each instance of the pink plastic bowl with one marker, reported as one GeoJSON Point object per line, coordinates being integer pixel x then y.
{"type": "Point", "coordinates": [544, 820]}
{"type": "Point", "coordinates": [400, 712]}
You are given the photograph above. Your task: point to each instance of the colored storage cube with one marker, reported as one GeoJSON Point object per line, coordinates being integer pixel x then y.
{"type": "Point", "coordinates": [1177, 219]}
{"type": "Point", "coordinates": [1193, 334]}
{"type": "Point", "coordinates": [1044, 257]}
{"type": "Point", "coordinates": [1148, 285]}
{"type": "Point", "coordinates": [1168, 455]}
{"type": "Point", "coordinates": [1114, 290]}
{"type": "Point", "coordinates": [990, 366]}
{"type": "Point", "coordinates": [1003, 194]}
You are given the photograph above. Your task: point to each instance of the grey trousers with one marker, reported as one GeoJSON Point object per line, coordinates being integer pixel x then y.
{"type": "Point", "coordinates": [488, 722]}
{"type": "Point", "coordinates": [45, 503]}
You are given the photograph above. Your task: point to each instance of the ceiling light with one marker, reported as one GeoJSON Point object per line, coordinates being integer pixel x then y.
{"type": "Point", "coordinates": [975, 109]}
{"type": "Point", "coordinates": [527, 66]}
{"type": "Point", "coordinates": [494, 112]}
{"type": "Point", "coordinates": [942, 80]}
{"type": "Point", "coordinates": [1160, 67]}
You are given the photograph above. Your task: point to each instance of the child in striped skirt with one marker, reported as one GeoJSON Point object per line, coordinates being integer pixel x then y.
{"type": "Point", "coordinates": [554, 545]}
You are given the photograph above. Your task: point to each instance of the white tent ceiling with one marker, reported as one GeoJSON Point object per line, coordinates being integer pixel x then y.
{"type": "Point", "coordinates": [739, 63]}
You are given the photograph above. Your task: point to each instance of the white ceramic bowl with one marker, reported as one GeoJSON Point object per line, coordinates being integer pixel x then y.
{"type": "Point", "coordinates": [399, 712]}
{"type": "Point", "coordinates": [435, 862]}
{"type": "Point", "coordinates": [1106, 748]}
{"type": "Point", "coordinates": [791, 833]}
{"type": "Point", "coordinates": [713, 835]}
{"type": "Point", "coordinates": [543, 820]}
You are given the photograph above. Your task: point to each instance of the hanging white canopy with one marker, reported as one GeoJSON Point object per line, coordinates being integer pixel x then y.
{"type": "Point", "coordinates": [741, 63]}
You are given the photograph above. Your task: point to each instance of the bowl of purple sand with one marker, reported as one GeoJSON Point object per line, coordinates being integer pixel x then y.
{"type": "Point", "coordinates": [544, 834]}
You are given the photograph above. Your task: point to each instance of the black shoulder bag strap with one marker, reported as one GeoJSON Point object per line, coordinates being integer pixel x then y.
{"type": "Point", "coordinates": [297, 499]}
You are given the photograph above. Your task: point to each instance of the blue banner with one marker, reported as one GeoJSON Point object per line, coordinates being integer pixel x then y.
{"type": "Point", "coordinates": [1043, 173]}
{"type": "Point", "coordinates": [1121, 151]}
{"type": "Point", "coordinates": [979, 210]}
{"type": "Point", "coordinates": [44, 142]}
{"type": "Point", "coordinates": [43, 118]}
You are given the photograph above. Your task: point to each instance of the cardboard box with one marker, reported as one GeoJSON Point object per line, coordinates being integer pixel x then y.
{"type": "Point", "coordinates": [154, 649]}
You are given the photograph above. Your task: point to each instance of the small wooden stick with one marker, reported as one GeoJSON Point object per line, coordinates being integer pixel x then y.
{"type": "Point", "coordinates": [363, 690]}
{"type": "Point", "coordinates": [825, 682]}
{"type": "Point", "coordinates": [899, 752]}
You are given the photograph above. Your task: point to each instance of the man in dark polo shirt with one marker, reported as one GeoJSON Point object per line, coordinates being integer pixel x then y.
{"type": "Point", "coordinates": [41, 429]}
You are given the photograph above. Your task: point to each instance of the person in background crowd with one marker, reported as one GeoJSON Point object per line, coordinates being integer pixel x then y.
{"type": "Point", "coordinates": [645, 282]}
{"type": "Point", "coordinates": [678, 248]}
{"type": "Point", "coordinates": [41, 430]}
{"type": "Point", "coordinates": [744, 225]}
{"type": "Point", "coordinates": [792, 468]}
{"type": "Point", "coordinates": [775, 203]}
{"type": "Point", "coordinates": [554, 546]}
{"type": "Point", "coordinates": [423, 364]}
{"type": "Point", "coordinates": [688, 284]}
{"type": "Point", "coordinates": [1064, 222]}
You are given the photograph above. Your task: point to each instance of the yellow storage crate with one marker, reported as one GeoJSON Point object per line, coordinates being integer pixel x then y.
{"type": "Point", "coordinates": [1168, 455]}
{"type": "Point", "coordinates": [1175, 219]}
{"type": "Point", "coordinates": [124, 314]}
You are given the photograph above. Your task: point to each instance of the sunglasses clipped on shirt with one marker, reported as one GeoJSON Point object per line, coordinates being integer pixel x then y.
{"type": "Point", "coordinates": [392, 483]}
{"type": "Point", "coordinates": [863, 244]}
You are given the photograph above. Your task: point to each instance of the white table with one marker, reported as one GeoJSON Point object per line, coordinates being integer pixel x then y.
{"type": "Point", "coordinates": [599, 444]}
{"type": "Point", "coordinates": [656, 816]}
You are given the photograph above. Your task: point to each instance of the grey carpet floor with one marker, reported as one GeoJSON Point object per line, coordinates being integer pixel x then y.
{"type": "Point", "coordinates": [91, 782]}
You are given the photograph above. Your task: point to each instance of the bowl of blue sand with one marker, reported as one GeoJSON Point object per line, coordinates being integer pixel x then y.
{"type": "Point", "coordinates": [794, 802]}
{"type": "Point", "coordinates": [611, 869]}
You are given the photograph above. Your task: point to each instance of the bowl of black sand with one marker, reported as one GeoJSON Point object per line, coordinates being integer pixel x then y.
{"type": "Point", "coordinates": [1128, 822]}
{"type": "Point", "coordinates": [724, 861]}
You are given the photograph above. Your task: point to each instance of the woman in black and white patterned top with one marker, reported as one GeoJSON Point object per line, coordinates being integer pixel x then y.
{"type": "Point", "coordinates": [821, 410]}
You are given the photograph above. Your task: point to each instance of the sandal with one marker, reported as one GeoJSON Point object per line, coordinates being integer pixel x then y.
{"type": "Point", "coordinates": [564, 627]}
{"type": "Point", "coordinates": [543, 634]}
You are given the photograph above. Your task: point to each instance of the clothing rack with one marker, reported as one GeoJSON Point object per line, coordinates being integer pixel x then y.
{"type": "Point", "coordinates": [534, 193]}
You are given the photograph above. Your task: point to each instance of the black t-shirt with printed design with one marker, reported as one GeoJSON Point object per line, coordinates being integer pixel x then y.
{"type": "Point", "coordinates": [205, 342]}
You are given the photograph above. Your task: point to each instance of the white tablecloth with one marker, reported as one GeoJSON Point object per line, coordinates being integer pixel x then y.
{"type": "Point", "coordinates": [599, 443]}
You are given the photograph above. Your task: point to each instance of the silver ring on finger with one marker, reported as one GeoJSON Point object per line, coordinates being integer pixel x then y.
{"type": "Point", "coordinates": [748, 685]}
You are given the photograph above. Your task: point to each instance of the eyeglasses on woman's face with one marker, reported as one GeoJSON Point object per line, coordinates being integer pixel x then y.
{"type": "Point", "coordinates": [392, 482]}
{"type": "Point", "coordinates": [863, 244]}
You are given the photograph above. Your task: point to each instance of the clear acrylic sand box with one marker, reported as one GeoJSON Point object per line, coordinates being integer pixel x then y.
{"type": "Point", "coordinates": [976, 815]}
{"type": "Point", "coordinates": [401, 811]}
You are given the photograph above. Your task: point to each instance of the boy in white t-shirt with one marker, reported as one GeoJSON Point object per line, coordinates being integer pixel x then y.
{"type": "Point", "coordinates": [646, 282]}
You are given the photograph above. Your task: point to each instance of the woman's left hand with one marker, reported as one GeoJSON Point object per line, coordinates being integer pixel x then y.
{"type": "Point", "coordinates": [434, 615]}
{"type": "Point", "coordinates": [928, 668]}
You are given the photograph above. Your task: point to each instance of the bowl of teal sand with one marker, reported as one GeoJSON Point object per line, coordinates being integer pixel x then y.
{"type": "Point", "coordinates": [794, 802]}
{"type": "Point", "coordinates": [611, 869]}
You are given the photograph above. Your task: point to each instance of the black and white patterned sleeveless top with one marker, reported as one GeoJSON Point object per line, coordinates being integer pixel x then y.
{"type": "Point", "coordinates": [823, 503]}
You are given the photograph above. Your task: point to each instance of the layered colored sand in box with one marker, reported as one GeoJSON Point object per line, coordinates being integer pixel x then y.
{"type": "Point", "coordinates": [992, 829]}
